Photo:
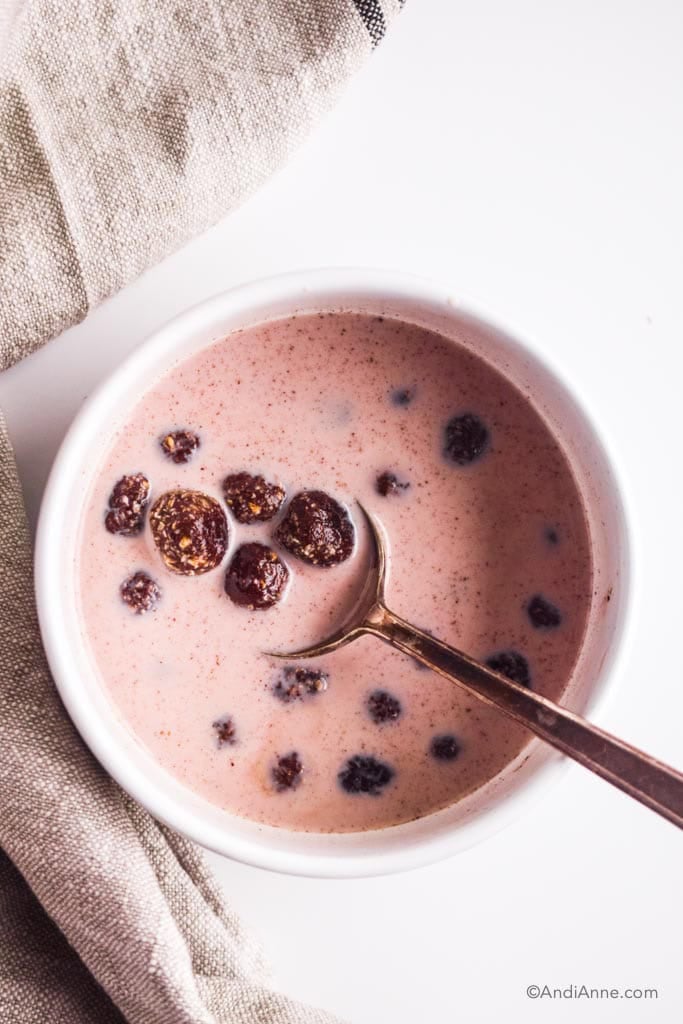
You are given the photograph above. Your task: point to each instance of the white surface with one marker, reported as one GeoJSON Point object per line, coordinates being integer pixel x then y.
{"type": "Point", "coordinates": [530, 155]}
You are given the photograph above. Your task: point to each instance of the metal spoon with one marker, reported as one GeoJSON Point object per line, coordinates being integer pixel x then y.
{"type": "Point", "coordinates": [645, 779]}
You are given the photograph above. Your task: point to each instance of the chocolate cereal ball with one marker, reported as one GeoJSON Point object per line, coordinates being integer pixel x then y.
{"type": "Point", "coordinates": [190, 530]}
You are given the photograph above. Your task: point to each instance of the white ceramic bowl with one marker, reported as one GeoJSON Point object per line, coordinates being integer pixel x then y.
{"type": "Point", "coordinates": [392, 849]}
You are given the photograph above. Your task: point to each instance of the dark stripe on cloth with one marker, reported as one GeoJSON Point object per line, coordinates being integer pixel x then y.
{"type": "Point", "coordinates": [373, 18]}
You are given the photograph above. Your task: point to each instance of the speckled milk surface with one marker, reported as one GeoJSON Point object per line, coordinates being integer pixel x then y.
{"type": "Point", "coordinates": [307, 402]}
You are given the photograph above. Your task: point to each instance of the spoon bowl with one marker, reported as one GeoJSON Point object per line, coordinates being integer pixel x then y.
{"type": "Point", "coordinates": [368, 608]}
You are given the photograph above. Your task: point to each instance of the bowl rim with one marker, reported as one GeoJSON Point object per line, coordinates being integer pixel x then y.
{"type": "Point", "coordinates": [368, 284]}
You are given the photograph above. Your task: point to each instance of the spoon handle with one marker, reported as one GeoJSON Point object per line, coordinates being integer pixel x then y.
{"type": "Point", "coordinates": [652, 783]}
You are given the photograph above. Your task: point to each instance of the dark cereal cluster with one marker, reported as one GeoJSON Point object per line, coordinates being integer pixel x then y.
{"type": "Point", "coordinates": [363, 773]}
{"type": "Point", "coordinates": [190, 530]}
{"type": "Point", "coordinates": [383, 707]}
{"type": "Point", "coordinates": [297, 683]}
{"type": "Point", "coordinates": [140, 593]}
{"type": "Point", "coordinates": [402, 397]}
{"type": "Point", "coordinates": [252, 499]}
{"type": "Point", "coordinates": [317, 529]}
{"type": "Point", "coordinates": [127, 504]}
{"type": "Point", "coordinates": [180, 445]}
{"type": "Point", "coordinates": [256, 577]}
{"type": "Point", "coordinates": [511, 664]}
{"type": "Point", "coordinates": [444, 747]}
{"type": "Point", "coordinates": [388, 483]}
{"type": "Point", "coordinates": [287, 772]}
{"type": "Point", "coordinates": [226, 733]}
{"type": "Point", "coordinates": [466, 439]}
{"type": "Point", "coordinates": [542, 613]}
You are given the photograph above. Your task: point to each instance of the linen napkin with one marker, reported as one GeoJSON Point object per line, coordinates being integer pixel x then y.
{"type": "Point", "coordinates": [126, 126]}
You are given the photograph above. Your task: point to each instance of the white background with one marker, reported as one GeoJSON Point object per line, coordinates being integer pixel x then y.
{"type": "Point", "coordinates": [529, 155]}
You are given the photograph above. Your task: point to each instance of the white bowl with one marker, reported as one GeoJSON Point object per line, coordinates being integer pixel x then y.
{"type": "Point", "coordinates": [345, 855]}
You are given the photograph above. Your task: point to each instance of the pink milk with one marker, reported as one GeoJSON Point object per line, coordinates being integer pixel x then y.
{"type": "Point", "coordinates": [309, 402]}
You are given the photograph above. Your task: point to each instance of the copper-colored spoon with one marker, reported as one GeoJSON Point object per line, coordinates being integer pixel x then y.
{"type": "Point", "coordinates": [645, 779]}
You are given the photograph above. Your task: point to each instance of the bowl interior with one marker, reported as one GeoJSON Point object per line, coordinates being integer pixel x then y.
{"type": "Point", "coordinates": [129, 762]}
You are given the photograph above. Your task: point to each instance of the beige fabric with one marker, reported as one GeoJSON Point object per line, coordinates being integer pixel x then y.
{"type": "Point", "coordinates": [125, 127]}
{"type": "Point", "coordinates": [8, 12]}
{"type": "Point", "coordinates": [128, 126]}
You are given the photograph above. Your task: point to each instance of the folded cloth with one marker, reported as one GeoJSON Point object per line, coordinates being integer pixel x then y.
{"type": "Point", "coordinates": [125, 128]}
